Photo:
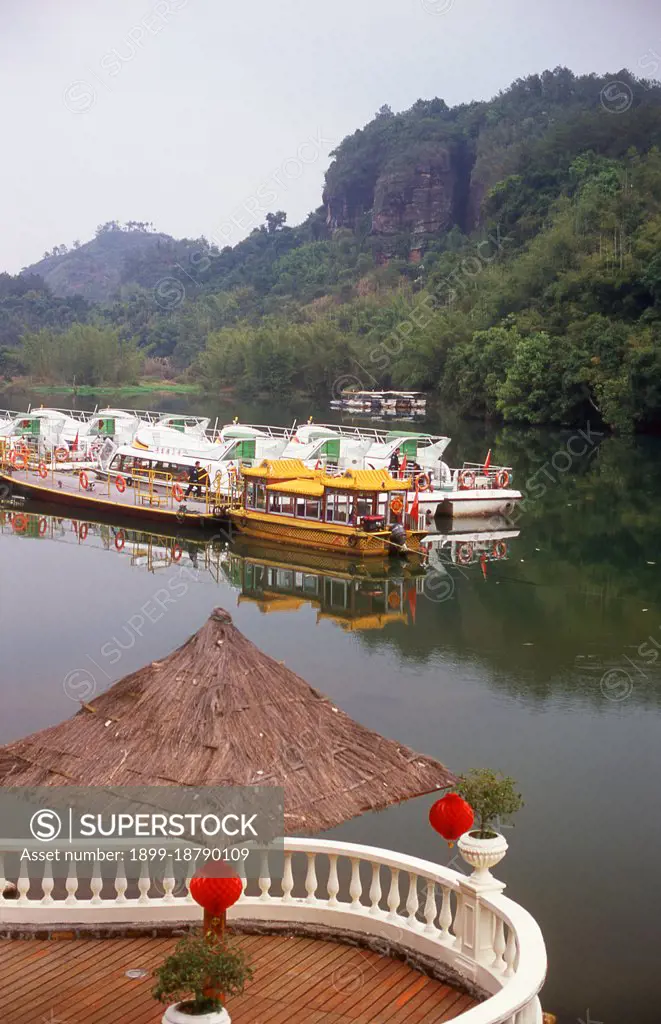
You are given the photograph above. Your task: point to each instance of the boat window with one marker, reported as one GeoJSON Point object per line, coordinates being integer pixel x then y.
{"type": "Point", "coordinates": [256, 495]}
{"type": "Point", "coordinates": [337, 507]}
{"type": "Point", "coordinates": [308, 508]}
{"type": "Point", "coordinates": [282, 504]}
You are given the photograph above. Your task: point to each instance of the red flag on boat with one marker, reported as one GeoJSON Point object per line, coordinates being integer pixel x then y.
{"type": "Point", "coordinates": [402, 471]}
{"type": "Point", "coordinates": [74, 446]}
{"type": "Point", "coordinates": [412, 599]}
{"type": "Point", "coordinates": [415, 507]}
{"type": "Point", "coordinates": [487, 461]}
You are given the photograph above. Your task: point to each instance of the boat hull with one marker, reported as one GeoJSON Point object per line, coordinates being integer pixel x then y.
{"type": "Point", "coordinates": [91, 505]}
{"type": "Point", "coordinates": [478, 502]}
{"type": "Point", "coordinates": [344, 541]}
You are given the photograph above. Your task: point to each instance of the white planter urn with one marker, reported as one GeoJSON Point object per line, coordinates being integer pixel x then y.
{"type": "Point", "coordinates": [174, 1016]}
{"type": "Point", "coordinates": [482, 855]}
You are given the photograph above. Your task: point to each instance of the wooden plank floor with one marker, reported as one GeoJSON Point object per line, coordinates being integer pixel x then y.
{"type": "Point", "coordinates": [297, 981]}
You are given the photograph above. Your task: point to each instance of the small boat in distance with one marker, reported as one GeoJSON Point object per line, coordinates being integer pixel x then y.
{"type": "Point", "coordinates": [382, 403]}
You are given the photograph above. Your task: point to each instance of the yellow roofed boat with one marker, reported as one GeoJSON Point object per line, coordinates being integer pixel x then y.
{"type": "Point", "coordinates": [364, 511]}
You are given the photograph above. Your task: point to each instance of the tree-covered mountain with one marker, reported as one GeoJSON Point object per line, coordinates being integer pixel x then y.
{"type": "Point", "coordinates": [506, 254]}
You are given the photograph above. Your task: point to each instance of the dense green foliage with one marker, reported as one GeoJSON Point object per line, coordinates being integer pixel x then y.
{"type": "Point", "coordinates": [84, 354]}
{"type": "Point", "coordinates": [542, 302]}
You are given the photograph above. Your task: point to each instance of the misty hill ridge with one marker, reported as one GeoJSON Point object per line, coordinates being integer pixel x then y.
{"type": "Point", "coordinates": [404, 181]}
{"type": "Point", "coordinates": [97, 270]}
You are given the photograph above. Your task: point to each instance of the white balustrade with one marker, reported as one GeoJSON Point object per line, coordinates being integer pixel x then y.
{"type": "Point", "coordinates": [444, 916]}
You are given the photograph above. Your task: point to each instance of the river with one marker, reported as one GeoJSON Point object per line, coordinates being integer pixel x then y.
{"type": "Point", "coordinates": [539, 662]}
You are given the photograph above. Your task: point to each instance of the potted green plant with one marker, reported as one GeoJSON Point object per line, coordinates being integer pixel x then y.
{"type": "Point", "coordinates": [492, 796]}
{"type": "Point", "coordinates": [194, 976]}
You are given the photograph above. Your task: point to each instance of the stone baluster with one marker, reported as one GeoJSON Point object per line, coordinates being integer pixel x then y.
{"type": "Point", "coordinates": [169, 881]}
{"type": "Point", "coordinates": [71, 885]}
{"type": "Point", "coordinates": [412, 902]}
{"type": "Point", "coordinates": [287, 879]}
{"type": "Point", "coordinates": [393, 895]}
{"type": "Point", "coordinates": [96, 884]}
{"type": "Point", "coordinates": [311, 879]}
{"type": "Point", "coordinates": [47, 885]}
{"type": "Point", "coordinates": [3, 880]}
{"type": "Point", "coordinates": [264, 876]}
{"type": "Point", "coordinates": [510, 954]}
{"type": "Point", "coordinates": [445, 917]}
{"type": "Point", "coordinates": [499, 945]}
{"type": "Point", "coordinates": [375, 890]}
{"type": "Point", "coordinates": [23, 884]}
{"type": "Point", "coordinates": [333, 881]}
{"type": "Point", "coordinates": [189, 898]}
{"type": "Point", "coordinates": [144, 884]}
{"type": "Point", "coordinates": [121, 883]}
{"type": "Point", "coordinates": [356, 886]}
{"type": "Point", "coordinates": [430, 909]}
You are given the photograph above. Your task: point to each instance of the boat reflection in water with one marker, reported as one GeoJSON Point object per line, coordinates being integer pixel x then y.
{"type": "Point", "coordinates": [469, 541]}
{"type": "Point", "coordinates": [361, 594]}
{"type": "Point", "coordinates": [367, 594]}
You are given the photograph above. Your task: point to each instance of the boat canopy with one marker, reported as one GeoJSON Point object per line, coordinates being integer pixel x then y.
{"type": "Point", "coordinates": [281, 469]}
{"type": "Point", "coordinates": [365, 480]}
{"type": "Point", "coordinates": [308, 488]}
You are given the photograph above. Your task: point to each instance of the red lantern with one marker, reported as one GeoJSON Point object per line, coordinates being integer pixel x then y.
{"type": "Point", "coordinates": [451, 816]}
{"type": "Point", "coordinates": [216, 894]}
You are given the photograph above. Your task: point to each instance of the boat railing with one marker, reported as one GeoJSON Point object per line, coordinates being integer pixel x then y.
{"type": "Point", "coordinates": [459, 926]}
{"type": "Point", "coordinates": [356, 433]}
{"type": "Point", "coordinates": [265, 428]}
{"type": "Point", "coordinates": [75, 414]}
{"type": "Point", "coordinates": [476, 475]}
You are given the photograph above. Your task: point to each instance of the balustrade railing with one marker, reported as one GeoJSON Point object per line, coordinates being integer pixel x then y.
{"type": "Point", "coordinates": [388, 900]}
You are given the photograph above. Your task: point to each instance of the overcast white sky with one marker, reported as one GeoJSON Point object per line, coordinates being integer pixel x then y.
{"type": "Point", "coordinates": [178, 111]}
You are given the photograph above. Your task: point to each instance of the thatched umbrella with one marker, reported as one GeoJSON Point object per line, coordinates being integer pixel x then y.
{"type": "Point", "coordinates": [219, 712]}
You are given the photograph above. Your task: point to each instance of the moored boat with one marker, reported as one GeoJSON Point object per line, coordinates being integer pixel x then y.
{"type": "Point", "coordinates": [362, 512]}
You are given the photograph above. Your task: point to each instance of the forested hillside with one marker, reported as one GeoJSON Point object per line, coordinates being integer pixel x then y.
{"type": "Point", "coordinates": [505, 254]}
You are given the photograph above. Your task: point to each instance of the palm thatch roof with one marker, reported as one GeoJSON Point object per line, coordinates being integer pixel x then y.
{"type": "Point", "coordinates": [220, 712]}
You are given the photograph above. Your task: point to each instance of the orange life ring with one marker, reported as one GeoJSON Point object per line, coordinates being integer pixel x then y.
{"type": "Point", "coordinates": [84, 480]}
{"type": "Point", "coordinates": [502, 478]}
{"type": "Point", "coordinates": [177, 492]}
{"type": "Point", "coordinates": [120, 540]}
{"type": "Point", "coordinates": [42, 470]}
{"type": "Point", "coordinates": [467, 479]}
{"type": "Point", "coordinates": [120, 484]}
{"type": "Point", "coordinates": [20, 522]}
{"type": "Point", "coordinates": [396, 506]}
{"type": "Point", "coordinates": [465, 553]}
{"type": "Point", "coordinates": [393, 599]}
{"type": "Point", "coordinates": [61, 454]}
{"type": "Point", "coordinates": [423, 482]}
{"type": "Point", "coordinates": [19, 460]}
{"type": "Point", "coordinates": [84, 530]}
{"type": "Point", "coordinates": [43, 526]}
{"type": "Point", "coordinates": [499, 550]}
{"type": "Point", "coordinates": [176, 553]}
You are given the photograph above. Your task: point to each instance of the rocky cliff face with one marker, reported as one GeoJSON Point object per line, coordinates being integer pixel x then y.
{"type": "Point", "coordinates": [422, 199]}
{"type": "Point", "coordinates": [417, 201]}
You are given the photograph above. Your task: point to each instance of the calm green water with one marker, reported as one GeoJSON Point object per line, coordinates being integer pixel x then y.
{"type": "Point", "coordinates": [541, 664]}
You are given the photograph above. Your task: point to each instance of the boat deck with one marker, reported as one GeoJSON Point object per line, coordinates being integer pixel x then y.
{"type": "Point", "coordinates": [297, 981]}
{"type": "Point", "coordinates": [64, 488]}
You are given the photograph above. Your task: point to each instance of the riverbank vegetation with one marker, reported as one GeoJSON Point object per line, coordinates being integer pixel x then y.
{"type": "Point", "coordinates": [536, 298]}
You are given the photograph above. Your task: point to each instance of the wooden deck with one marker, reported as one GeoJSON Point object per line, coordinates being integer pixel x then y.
{"type": "Point", "coordinates": [297, 981]}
